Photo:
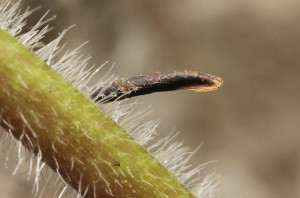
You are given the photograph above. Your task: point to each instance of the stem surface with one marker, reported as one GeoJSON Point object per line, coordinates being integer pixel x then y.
{"type": "Point", "coordinates": [73, 136]}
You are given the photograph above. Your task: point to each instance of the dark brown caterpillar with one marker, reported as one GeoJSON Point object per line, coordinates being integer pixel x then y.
{"type": "Point", "coordinates": [157, 82]}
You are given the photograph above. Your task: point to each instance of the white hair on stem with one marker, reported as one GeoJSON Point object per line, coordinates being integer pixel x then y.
{"type": "Point", "coordinates": [74, 67]}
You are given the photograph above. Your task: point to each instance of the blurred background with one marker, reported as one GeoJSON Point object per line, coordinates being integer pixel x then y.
{"type": "Point", "coordinates": [250, 126]}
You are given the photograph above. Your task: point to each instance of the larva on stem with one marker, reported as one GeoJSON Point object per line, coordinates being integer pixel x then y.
{"type": "Point", "coordinates": [55, 120]}
{"type": "Point", "coordinates": [157, 82]}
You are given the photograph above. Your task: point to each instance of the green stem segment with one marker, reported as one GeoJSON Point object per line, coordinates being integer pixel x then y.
{"type": "Point", "coordinates": [73, 136]}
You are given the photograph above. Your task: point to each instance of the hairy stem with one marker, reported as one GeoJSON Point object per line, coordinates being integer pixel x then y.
{"type": "Point", "coordinates": [71, 134]}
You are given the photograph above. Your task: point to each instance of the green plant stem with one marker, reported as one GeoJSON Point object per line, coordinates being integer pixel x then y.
{"type": "Point", "coordinates": [73, 136]}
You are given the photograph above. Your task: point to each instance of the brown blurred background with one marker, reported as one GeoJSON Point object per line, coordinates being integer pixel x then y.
{"type": "Point", "coordinates": [251, 125]}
